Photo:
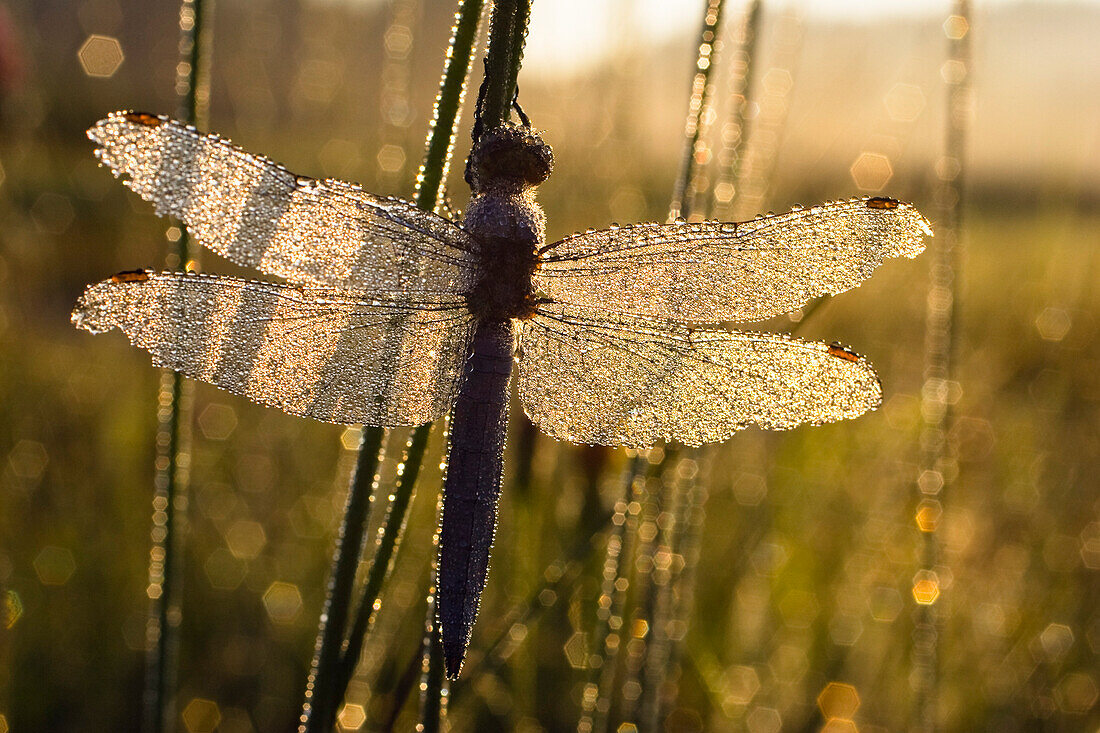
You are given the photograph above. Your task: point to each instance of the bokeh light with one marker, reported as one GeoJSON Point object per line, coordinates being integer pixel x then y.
{"type": "Point", "coordinates": [100, 56]}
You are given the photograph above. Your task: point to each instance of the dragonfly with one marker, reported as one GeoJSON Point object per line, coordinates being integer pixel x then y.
{"type": "Point", "coordinates": [389, 315]}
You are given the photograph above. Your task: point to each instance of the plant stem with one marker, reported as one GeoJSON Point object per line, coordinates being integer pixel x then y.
{"type": "Point", "coordinates": [170, 490]}
{"type": "Point", "coordinates": [389, 536]}
{"type": "Point", "coordinates": [507, 36]}
{"type": "Point", "coordinates": [452, 90]}
{"type": "Point", "coordinates": [732, 160]}
{"type": "Point", "coordinates": [433, 702]}
{"type": "Point", "coordinates": [940, 451]}
{"type": "Point", "coordinates": [319, 710]}
{"type": "Point", "coordinates": [683, 195]}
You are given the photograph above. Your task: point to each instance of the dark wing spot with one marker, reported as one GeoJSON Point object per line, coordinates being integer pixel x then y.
{"type": "Point", "coordinates": [131, 276]}
{"type": "Point", "coordinates": [842, 353]}
{"type": "Point", "coordinates": [882, 202]}
{"type": "Point", "coordinates": [143, 118]}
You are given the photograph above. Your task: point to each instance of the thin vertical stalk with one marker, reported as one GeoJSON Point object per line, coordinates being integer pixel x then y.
{"type": "Point", "coordinates": [652, 649]}
{"type": "Point", "coordinates": [656, 599]}
{"type": "Point", "coordinates": [173, 417]}
{"type": "Point", "coordinates": [611, 635]}
{"type": "Point", "coordinates": [507, 36]}
{"type": "Point", "coordinates": [433, 681]}
{"type": "Point", "coordinates": [735, 131]}
{"type": "Point", "coordinates": [683, 195]}
{"type": "Point", "coordinates": [758, 154]}
{"type": "Point", "coordinates": [389, 535]}
{"type": "Point", "coordinates": [939, 464]}
{"type": "Point", "coordinates": [431, 180]}
{"type": "Point", "coordinates": [319, 709]}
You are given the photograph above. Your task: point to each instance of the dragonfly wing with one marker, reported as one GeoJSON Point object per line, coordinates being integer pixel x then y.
{"type": "Point", "coordinates": [635, 382]}
{"type": "Point", "coordinates": [718, 271]}
{"type": "Point", "coordinates": [308, 350]}
{"type": "Point", "coordinates": [258, 214]}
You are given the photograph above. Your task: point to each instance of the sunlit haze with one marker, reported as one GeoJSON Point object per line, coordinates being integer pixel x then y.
{"type": "Point", "coordinates": [566, 34]}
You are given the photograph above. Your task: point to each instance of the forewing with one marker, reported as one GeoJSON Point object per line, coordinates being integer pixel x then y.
{"type": "Point", "coordinates": [635, 382]}
{"type": "Point", "coordinates": [716, 271]}
{"type": "Point", "coordinates": [308, 350]}
{"type": "Point", "coordinates": [258, 214]}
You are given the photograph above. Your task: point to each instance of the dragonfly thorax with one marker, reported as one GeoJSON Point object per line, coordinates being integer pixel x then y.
{"type": "Point", "coordinates": [505, 220]}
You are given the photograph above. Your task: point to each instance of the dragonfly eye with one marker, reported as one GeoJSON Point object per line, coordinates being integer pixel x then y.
{"type": "Point", "coordinates": [511, 152]}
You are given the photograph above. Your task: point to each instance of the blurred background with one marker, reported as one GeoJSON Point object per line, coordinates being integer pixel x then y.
{"type": "Point", "coordinates": [796, 585]}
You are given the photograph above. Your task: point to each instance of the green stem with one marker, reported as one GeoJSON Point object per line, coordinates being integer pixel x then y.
{"type": "Point", "coordinates": [507, 36]}
{"type": "Point", "coordinates": [434, 700]}
{"type": "Point", "coordinates": [390, 536]}
{"type": "Point", "coordinates": [319, 711]}
{"type": "Point", "coordinates": [452, 88]}
{"type": "Point", "coordinates": [171, 482]}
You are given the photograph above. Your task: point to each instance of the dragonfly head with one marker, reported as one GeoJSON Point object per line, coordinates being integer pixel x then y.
{"type": "Point", "coordinates": [509, 154]}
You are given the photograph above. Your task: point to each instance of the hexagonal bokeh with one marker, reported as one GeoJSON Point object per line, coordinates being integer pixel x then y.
{"type": "Point", "coordinates": [245, 539]}
{"type": "Point", "coordinates": [789, 663]}
{"type": "Point", "coordinates": [224, 570]}
{"type": "Point", "coordinates": [52, 212]}
{"type": "Point", "coordinates": [764, 720]}
{"type": "Point", "coordinates": [100, 56]}
{"type": "Point", "coordinates": [904, 102]}
{"type": "Point", "coordinates": [351, 437]}
{"type": "Point", "coordinates": [217, 421]}
{"type": "Point", "coordinates": [871, 171]}
{"type": "Point", "coordinates": [201, 716]}
{"type": "Point", "coordinates": [28, 459]}
{"type": "Point", "coordinates": [777, 81]}
{"type": "Point", "coordinates": [576, 650]}
{"type": "Point", "coordinates": [955, 27]}
{"type": "Point", "coordinates": [768, 558]}
{"type": "Point", "coordinates": [1053, 324]}
{"type": "Point", "coordinates": [398, 40]}
{"type": "Point", "coordinates": [928, 515]}
{"type": "Point", "coordinates": [54, 565]}
{"type": "Point", "coordinates": [391, 158]}
{"type": "Point", "coordinates": [1055, 641]}
{"type": "Point", "coordinates": [885, 603]}
{"type": "Point", "coordinates": [926, 587]}
{"type": "Point", "coordinates": [283, 602]}
{"type": "Point", "coordinates": [845, 629]}
{"type": "Point", "coordinates": [1076, 693]}
{"type": "Point", "coordinates": [838, 700]}
{"type": "Point", "coordinates": [352, 717]}
{"type": "Point", "coordinates": [839, 725]}
{"type": "Point", "coordinates": [953, 71]}
{"type": "Point", "coordinates": [740, 683]}
{"type": "Point", "coordinates": [749, 489]}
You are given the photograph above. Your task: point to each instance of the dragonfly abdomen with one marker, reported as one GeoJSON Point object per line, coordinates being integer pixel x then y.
{"type": "Point", "coordinates": [472, 486]}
